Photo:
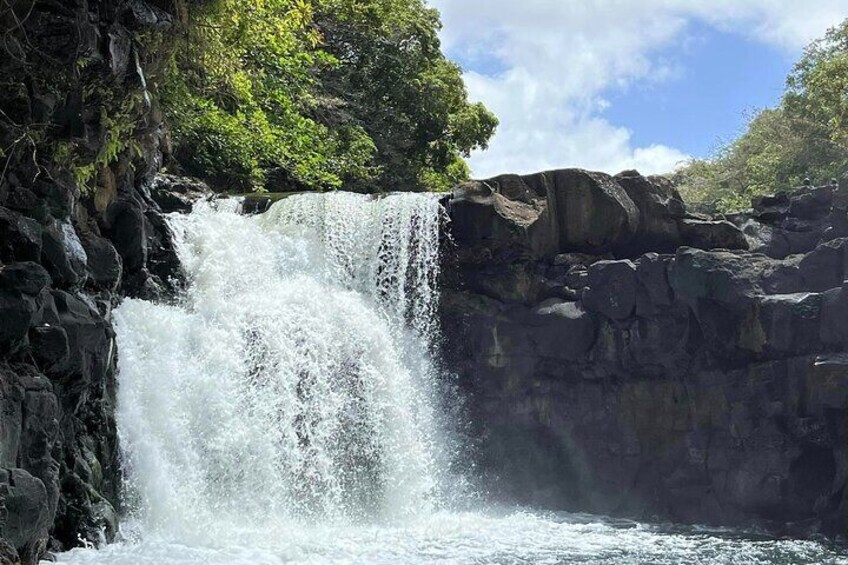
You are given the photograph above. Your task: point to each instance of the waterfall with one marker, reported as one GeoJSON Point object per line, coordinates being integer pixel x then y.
{"type": "Point", "coordinates": [288, 410]}
{"type": "Point", "coordinates": [293, 382]}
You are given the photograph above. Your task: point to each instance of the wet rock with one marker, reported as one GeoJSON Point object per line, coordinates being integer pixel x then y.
{"type": "Point", "coordinates": [120, 49]}
{"type": "Point", "coordinates": [26, 278]}
{"type": "Point", "coordinates": [128, 233]}
{"type": "Point", "coordinates": [20, 285]}
{"type": "Point", "coordinates": [27, 514]}
{"type": "Point", "coordinates": [705, 386]}
{"type": "Point", "coordinates": [89, 344]}
{"type": "Point", "coordinates": [63, 254]}
{"type": "Point", "coordinates": [20, 237]}
{"type": "Point", "coordinates": [178, 194]}
{"type": "Point", "coordinates": [49, 347]}
{"type": "Point", "coordinates": [8, 554]}
{"type": "Point", "coordinates": [104, 264]}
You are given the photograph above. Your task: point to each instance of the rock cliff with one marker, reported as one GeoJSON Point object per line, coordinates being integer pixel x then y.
{"type": "Point", "coordinates": [68, 251]}
{"type": "Point", "coordinates": [622, 356]}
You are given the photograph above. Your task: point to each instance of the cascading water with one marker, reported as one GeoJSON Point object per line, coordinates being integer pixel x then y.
{"type": "Point", "coordinates": [288, 409]}
{"type": "Point", "coordinates": [294, 381]}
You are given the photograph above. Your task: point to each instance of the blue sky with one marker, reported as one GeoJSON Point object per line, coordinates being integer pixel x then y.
{"type": "Point", "coordinates": [617, 84]}
{"type": "Point", "coordinates": [720, 79]}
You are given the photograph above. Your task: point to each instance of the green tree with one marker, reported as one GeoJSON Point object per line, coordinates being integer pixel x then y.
{"type": "Point", "coordinates": [321, 93]}
{"type": "Point", "coordinates": [817, 88]}
{"type": "Point", "coordinates": [241, 94]}
{"type": "Point", "coordinates": [777, 151]}
{"type": "Point", "coordinates": [806, 136]}
{"type": "Point", "coordinates": [393, 79]}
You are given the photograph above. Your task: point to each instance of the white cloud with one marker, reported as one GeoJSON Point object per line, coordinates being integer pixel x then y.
{"type": "Point", "coordinates": [551, 60]}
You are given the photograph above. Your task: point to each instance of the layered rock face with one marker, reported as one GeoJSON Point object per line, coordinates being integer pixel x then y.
{"type": "Point", "coordinates": [622, 356]}
{"type": "Point", "coordinates": [67, 254]}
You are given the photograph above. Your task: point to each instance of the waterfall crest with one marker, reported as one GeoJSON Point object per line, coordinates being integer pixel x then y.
{"type": "Point", "coordinates": [294, 380]}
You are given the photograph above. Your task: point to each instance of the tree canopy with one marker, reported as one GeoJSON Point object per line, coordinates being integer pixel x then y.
{"type": "Point", "coordinates": [805, 136]}
{"type": "Point", "coordinates": [320, 94]}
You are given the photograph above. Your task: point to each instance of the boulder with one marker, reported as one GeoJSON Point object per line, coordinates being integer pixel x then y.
{"type": "Point", "coordinates": [178, 194]}
{"type": "Point", "coordinates": [26, 278]}
{"type": "Point", "coordinates": [612, 289]}
{"type": "Point", "coordinates": [711, 234]}
{"type": "Point", "coordinates": [654, 292]}
{"type": "Point", "coordinates": [104, 264]}
{"type": "Point", "coordinates": [834, 319]}
{"type": "Point", "coordinates": [783, 324]}
{"type": "Point", "coordinates": [20, 303]}
{"type": "Point", "coordinates": [89, 344]}
{"type": "Point", "coordinates": [720, 276]}
{"type": "Point", "coordinates": [592, 213]}
{"type": "Point", "coordinates": [502, 219]}
{"type": "Point", "coordinates": [811, 203]}
{"type": "Point", "coordinates": [26, 509]}
{"type": "Point", "coordinates": [63, 254]}
{"type": "Point", "coordinates": [20, 237]}
{"type": "Point", "coordinates": [49, 347]}
{"type": "Point", "coordinates": [660, 209]}
{"type": "Point", "coordinates": [537, 216]}
{"type": "Point", "coordinates": [824, 267]}
{"type": "Point", "coordinates": [127, 230]}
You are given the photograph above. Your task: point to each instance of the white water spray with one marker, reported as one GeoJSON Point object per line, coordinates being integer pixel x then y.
{"type": "Point", "coordinates": [294, 382]}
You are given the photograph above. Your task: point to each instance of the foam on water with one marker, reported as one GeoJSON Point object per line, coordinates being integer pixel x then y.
{"type": "Point", "coordinates": [288, 409]}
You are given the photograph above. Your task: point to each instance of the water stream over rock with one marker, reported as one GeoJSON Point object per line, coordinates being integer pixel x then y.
{"type": "Point", "coordinates": [289, 409]}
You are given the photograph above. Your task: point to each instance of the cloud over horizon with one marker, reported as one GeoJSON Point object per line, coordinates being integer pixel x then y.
{"type": "Point", "coordinates": [547, 68]}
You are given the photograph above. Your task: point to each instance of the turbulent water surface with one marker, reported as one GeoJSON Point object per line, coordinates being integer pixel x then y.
{"type": "Point", "coordinates": [288, 410]}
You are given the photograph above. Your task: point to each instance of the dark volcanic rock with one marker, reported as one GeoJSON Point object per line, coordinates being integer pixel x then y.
{"type": "Point", "coordinates": [660, 211]}
{"type": "Point", "coordinates": [533, 217]}
{"type": "Point", "coordinates": [178, 194]}
{"type": "Point", "coordinates": [20, 237]}
{"type": "Point", "coordinates": [612, 289]}
{"type": "Point", "coordinates": [27, 512]}
{"type": "Point", "coordinates": [65, 253]}
{"type": "Point", "coordinates": [795, 222]}
{"type": "Point", "coordinates": [707, 234]}
{"type": "Point", "coordinates": [105, 267]}
{"type": "Point", "coordinates": [708, 386]}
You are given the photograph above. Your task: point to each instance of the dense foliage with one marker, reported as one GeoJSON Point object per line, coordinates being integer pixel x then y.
{"type": "Point", "coordinates": [806, 136]}
{"type": "Point", "coordinates": [320, 94]}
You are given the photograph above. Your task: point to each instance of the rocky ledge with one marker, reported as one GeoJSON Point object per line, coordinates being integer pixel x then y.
{"type": "Point", "coordinates": [68, 252]}
{"type": "Point", "coordinates": [623, 356]}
